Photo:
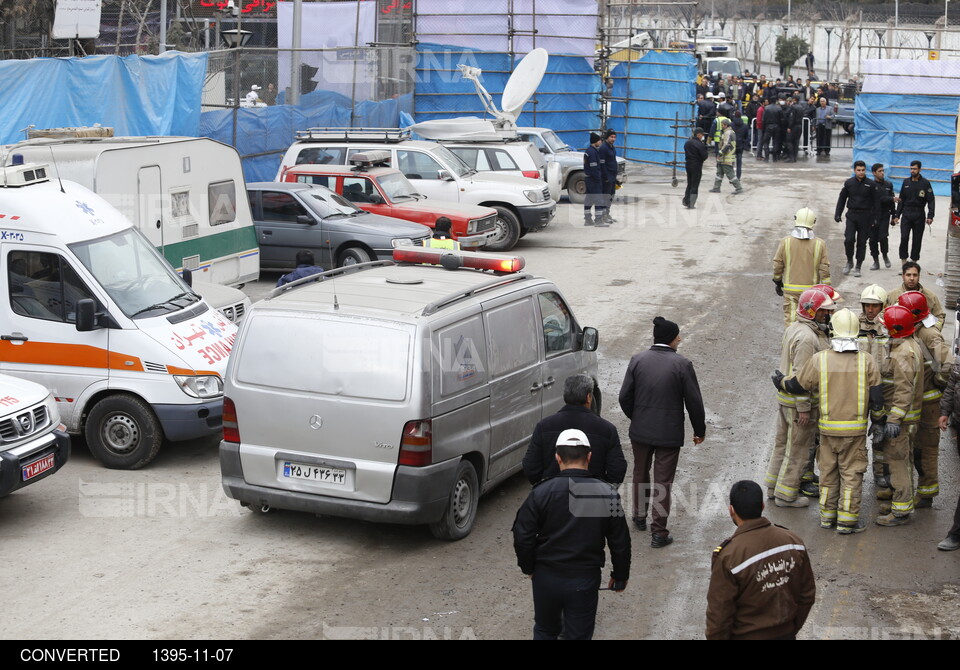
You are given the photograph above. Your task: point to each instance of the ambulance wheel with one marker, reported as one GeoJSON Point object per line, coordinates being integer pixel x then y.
{"type": "Point", "coordinates": [353, 256]}
{"type": "Point", "coordinates": [508, 231]}
{"type": "Point", "coordinates": [123, 433]}
{"type": "Point", "coordinates": [577, 189]}
{"type": "Point", "coordinates": [457, 520]}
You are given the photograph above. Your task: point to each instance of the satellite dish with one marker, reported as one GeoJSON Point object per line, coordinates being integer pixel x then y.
{"type": "Point", "coordinates": [523, 83]}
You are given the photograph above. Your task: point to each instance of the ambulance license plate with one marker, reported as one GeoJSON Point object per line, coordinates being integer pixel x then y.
{"type": "Point", "coordinates": [38, 467]}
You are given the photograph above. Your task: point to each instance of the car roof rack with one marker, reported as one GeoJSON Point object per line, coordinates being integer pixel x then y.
{"type": "Point", "coordinates": [390, 135]}
{"type": "Point", "coordinates": [321, 276]}
{"type": "Point", "coordinates": [457, 296]}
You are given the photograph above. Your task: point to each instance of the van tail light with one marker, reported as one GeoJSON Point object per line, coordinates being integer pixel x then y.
{"type": "Point", "coordinates": [416, 444]}
{"type": "Point", "coordinates": [231, 430]}
{"type": "Point", "coordinates": [533, 174]}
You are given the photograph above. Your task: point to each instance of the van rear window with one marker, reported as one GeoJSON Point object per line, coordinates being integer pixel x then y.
{"type": "Point", "coordinates": [355, 359]}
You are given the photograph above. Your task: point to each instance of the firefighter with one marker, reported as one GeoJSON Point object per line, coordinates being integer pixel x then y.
{"type": "Point", "coordinates": [903, 397]}
{"type": "Point", "coordinates": [849, 387]}
{"type": "Point", "coordinates": [800, 262]}
{"type": "Point", "coordinates": [936, 371]}
{"type": "Point", "coordinates": [797, 418]}
{"type": "Point", "coordinates": [911, 282]}
{"type": "Point", "coordinates": [874, 340]}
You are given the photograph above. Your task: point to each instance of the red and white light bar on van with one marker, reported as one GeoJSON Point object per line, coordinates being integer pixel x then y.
{"type": "Point", "coordinates": [453, 260]}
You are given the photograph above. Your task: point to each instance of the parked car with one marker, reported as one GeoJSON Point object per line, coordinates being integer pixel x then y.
{"type": "Point", "coordinates": [33, 442]}
{"type": "Point", "coordinates": [384, 190]}
{"type": "Point", "coordinates": [523, 205]}
{"type": "Point", "coordinates": [397, 393]}
{"type": "Point", "coordinates": [294, 216]}
{"type": "Point", "coordinates": [569, 160]}
{"type": "Point", "coordinates": [508, 156]}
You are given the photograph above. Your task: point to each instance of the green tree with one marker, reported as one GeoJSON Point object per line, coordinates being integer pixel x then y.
{"type": "Point", "coordinates": [790, 50]}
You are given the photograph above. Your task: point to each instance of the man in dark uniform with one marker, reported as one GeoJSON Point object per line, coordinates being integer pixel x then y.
{"type": "Point", "coordinates": [306, 266]}
{"type": "Point", "coordinates": [609, 171]}
{"type": "Point", "coordinates": [695, 154]}
{"type": "Point", "coordinates": [914, 194]}
{"type": "Point", "coordinates": [559, 536]}
{"type": "Point", "coordinates": [886, 208]}
{"type": "Point", "coordinates": [706, 112]}
{"type": "Point", "coordinates": [772, 118]}
{"type": "Point", "coordinates": [798, 111]}
{"type": "Point", "coordinates": [859, 196]}
{"type": "Point", "coordinates": [761, 582]}
{"type": "Point", "coordinates": [606, 454]}
{"type": "Point", "coordinates": [593, 173]}
{"type": "Point", "coordinates": [790, 119]}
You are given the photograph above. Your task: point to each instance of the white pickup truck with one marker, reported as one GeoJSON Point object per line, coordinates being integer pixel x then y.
{"type": "Point", "coordinates": [33, 442]}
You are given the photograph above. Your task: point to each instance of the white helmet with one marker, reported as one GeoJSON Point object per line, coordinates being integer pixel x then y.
{"type": "Point", "coordinates": [845, 324]}
{"type": "Point", "coordinates": [873, 294]}
{"type": "Point", "coordinates": [805, 218]}
{"type": "Point", "coordinates": [709, 95]}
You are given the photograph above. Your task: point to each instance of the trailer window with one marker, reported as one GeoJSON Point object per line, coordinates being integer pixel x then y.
{"type": "Point", "coordinates": [222, 197]}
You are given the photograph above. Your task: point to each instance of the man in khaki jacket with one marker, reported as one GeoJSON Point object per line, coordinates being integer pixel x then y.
{"type": "Point", "coordinates": [797, 417]}
{"type": "Point", "coordinates": [800, 263]}
{"type": "Point", "coordinates": [761, 582]}
{"type": "Point", "coordinates": [849, 386]}
{"type": "Point", "coordinates": [875, 340]}
{"type": "Point", "coordinates": [911, 282]}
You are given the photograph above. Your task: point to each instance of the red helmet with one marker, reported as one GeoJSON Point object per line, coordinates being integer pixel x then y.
{"type": "Point", "coordinates": [898, 321]}
{"type": "Point", "coordinates": [829, 290]}
{"type": "Point", "coordinates": [916, 302]}
{"type": "Point", "coordinates": [810, 301]}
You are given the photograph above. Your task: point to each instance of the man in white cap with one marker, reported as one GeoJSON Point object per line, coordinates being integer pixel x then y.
{"type": "Point", "coordinates": [252, 98]}
{"type": "Point", "coordinates": [559, 537]}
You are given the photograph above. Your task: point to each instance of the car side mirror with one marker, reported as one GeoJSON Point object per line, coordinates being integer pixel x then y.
{"type": "Point", "coordinates": [544, 150]}
{"type": "Point", "coordinates": [444, 175]}
{"type": "Point", "coordinates": [306, 220]}
{"type": "Point", "coordinates": [187, 277]}
{"type": "Point", "coordinates": [590, 339]}
{"type": "Point", "coordinates": [375, 199]}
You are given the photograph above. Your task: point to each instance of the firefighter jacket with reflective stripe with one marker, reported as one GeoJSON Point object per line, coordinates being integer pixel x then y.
{"type": "Point", "coordinates": [903, 386]}
{"type": "Point", "coordinates": [933, 302]}
{"type": "Point", "coordinates": [801, 264]}
{"type": "Point", "coordinates": [844, 380]}
{"type": "Point", "coordinates": [727, 147]}
{"type": "Point", "coordinates": [874, 340]}
{"type": "Point", "coordinates": [801, 340]}
{"type": "Point", "coordinates": [937, 361]}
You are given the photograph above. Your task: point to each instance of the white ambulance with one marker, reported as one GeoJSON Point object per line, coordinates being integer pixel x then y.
{"type": "Point", "coordinates": [95, 314]}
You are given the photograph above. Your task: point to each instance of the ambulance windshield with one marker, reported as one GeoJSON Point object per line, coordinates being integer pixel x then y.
{"type": "Point", "coordinates": [134, 274]}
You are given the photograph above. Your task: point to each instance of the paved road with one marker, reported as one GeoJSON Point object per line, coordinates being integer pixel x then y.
{"type": "Point", "coordinates": [161, 553]}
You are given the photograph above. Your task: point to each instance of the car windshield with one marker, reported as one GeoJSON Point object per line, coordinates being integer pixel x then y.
{"type": "Point", "coordinates": [554, 142]}
{"type": "Point", "coordinates": [724, 67]}
{"type": "Point", "coordinates": [451, 160]}
{"type": "Point", "coordinates": [134, 274]}
{"type": "Point", "coordinates": [326, 203]}
{"type": "Point", "coordinates": [397, 187]}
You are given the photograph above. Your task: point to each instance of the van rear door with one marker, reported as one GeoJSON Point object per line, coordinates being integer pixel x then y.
{"type": "Point", "coordinates": [305, 387]}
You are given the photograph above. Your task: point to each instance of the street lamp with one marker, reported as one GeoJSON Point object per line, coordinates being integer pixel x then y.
{"type": "Point", "coordinates": [235, 38]}
{"type": "Point", "coordinates": [829, 30]}
{"type": "Point", "coordinates": [879, 42]}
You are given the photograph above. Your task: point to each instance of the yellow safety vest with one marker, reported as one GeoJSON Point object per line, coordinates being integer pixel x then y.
{"type": "Point", "coordinates": [446, 243]}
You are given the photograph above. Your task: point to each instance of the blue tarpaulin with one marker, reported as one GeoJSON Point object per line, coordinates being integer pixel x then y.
{"type": "Point", "coordinates": [650, 95]}
{"type": "Point", "coordinates": [885, 134]}
{"type": "Point", "coordinates": [136, 95]}
{"type": "Point", "coordinates": [567, 100]}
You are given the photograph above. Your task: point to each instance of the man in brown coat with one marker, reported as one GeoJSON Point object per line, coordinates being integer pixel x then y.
{"type": "Point", "coordinates": [761, 582]}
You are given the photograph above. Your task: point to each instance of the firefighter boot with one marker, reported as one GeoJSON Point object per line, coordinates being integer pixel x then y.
{"type": "Point", "coordinates": [893, 519]}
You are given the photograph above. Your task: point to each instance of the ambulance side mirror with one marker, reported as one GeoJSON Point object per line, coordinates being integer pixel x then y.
{"type": "Point", "coordinates": [86, 315]}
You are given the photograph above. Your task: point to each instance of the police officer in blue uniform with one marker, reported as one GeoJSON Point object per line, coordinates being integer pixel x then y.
{"type": "Point", "coordinates": [594, 210]}
{"type": "Point", "coordinates": [609, 167]}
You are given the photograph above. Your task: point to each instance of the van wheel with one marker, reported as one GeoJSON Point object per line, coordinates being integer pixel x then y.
{"type": "Point", "coordinates": [508, 231]}
{"type": "Point", "coordinates": [123, 433]}
{"type": "Point", "coordinates": [577, 189]}
{"type": "Point", "coordinates": [457, 521]}
{"type": "Point", "coordinates": [352, 256]}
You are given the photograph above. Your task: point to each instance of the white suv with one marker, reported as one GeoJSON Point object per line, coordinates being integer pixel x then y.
{"type": "Point", "coordinates": [516, 157]}
{"type": "Point", "coordinates": [523, 205]}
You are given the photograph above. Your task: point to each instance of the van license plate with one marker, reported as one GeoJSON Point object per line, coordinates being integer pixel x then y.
{"type": "Point", "coordinates": [31, 470]}
{"type": "Point", "coordinates": [315, 473]}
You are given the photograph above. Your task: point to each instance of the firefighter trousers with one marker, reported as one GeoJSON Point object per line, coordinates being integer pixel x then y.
{"type": "Point", "coordinates": [791, 450]}
{"type": "Point", "coordinates": [842, 460]}
{"type": "Point", "coordinates": [899, 459]}
{"type": "Point", "coordinates": [926, 455]}
{"type": "Point", "coordinates": [790, 307]}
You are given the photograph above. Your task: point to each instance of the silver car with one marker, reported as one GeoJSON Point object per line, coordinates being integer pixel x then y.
{"type": "Point", "coordinates": [289, 217]}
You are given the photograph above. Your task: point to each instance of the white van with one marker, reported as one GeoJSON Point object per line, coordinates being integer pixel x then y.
{"type": "Point", "coordinates": [95, 314]}
{"type": "Point", "coordinates": [397, 392]}
{"type": "Point", "coordinates": [185, 194]}
{"type": "Point", "coordinates": [33, 442]}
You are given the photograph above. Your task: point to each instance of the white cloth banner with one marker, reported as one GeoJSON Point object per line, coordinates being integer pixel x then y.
{"type": "Point", "coordinates": [563, 26]}
{"type": "Point", "coordinates": [76, 19]}
{"type": "Point", "coordinates": [342, 27]}
{"type": "Point", "coordinates": [923, 77]}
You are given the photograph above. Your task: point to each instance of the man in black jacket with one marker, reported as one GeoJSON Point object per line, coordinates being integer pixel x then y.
{"type": "Point", "coordinates": [915, 194]}
{"type": "Point", "coordinates": [606, 455]}
{"type": "Point", "coordinates": [559, 536]}
{"type": "Point", "coordinates": [695, 153]}
{"type": "Point", "coordinates": [658, 385]}
{"type": "Point", "coordinates": [886, 202]}
{"type": "Point", "coordinates": [859, 196]}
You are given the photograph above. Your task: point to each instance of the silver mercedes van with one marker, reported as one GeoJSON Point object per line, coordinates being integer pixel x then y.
{"type": "Point", "coordinates": [397, 391]}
